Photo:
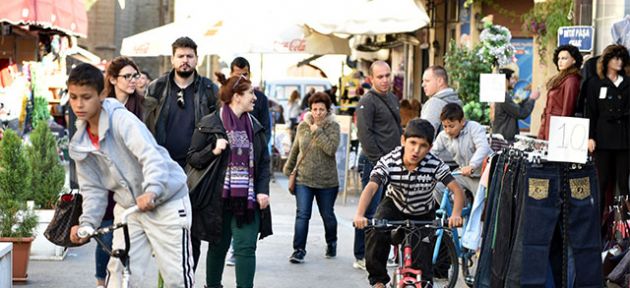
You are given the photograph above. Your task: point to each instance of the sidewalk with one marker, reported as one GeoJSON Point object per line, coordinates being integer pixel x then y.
{"type": "Point", "coordinates": [273, 268]}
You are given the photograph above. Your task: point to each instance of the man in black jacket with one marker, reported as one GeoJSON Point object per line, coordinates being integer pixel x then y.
{"type": "Point", "coordinates": [379, 131]}
{"type": "Point", "coordinates": [176, 101]}
{"type": "Point", "coordinates": [240, 66]}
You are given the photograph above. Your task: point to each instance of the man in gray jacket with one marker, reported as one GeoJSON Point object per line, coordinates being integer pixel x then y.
{"type": "Point", "coordinates": [379, 131]}
{"type": "Point", "coordinates": [435, 86]}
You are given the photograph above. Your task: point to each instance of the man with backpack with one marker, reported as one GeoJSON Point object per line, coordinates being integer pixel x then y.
{"type": "Point", "coordinates": [176, 101]}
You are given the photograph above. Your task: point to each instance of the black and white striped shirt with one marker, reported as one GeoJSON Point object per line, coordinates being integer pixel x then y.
{"type": "Point", "coordinates": [412, 191]}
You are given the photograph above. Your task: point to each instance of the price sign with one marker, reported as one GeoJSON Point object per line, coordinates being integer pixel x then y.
{"type": "Point", "coordinates": [491, 87]}
{"type": "Point", "coordinates": [568, 139]}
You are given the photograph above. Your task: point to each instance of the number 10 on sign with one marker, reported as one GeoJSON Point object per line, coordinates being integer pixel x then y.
{"type": "Point", "coordinates": [568, 139]}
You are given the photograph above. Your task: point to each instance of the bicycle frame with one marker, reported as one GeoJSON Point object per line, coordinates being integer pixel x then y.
{"type": "Point", "coordinates": [444, 212]}
{"type": "Point", "coordinates": [121, 254]}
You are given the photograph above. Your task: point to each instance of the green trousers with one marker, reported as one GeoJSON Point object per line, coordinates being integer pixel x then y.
{"type": "Point", "coordinates": [244, 245]}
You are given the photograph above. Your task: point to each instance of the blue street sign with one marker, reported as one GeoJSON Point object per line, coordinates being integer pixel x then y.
{"type": "Point", "coordinates": [578, 36]}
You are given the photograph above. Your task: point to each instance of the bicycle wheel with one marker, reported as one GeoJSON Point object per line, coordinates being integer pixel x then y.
{"type": "Point", "coordinates": [446, 268]}
{"type": "Point", "coordinates": [469, 266]}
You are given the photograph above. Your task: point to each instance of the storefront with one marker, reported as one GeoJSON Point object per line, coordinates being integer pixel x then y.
{"type": "Point", "coordinates": [35, 38]}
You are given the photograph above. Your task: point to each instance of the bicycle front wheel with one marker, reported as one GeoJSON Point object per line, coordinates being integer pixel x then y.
{"type": "Point", "coordinates": [446, 268]}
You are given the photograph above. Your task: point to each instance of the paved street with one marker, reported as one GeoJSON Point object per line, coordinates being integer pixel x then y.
{"type": "Point", "coordinates": [273, 267]}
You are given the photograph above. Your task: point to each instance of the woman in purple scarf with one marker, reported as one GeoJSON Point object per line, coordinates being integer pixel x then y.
{"type": "Point", "coordinates": [228, 177]}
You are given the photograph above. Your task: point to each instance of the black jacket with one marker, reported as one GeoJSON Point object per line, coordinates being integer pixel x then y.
{"type": "Point", "coordinates": [378, 124]}
{"type": "Point", "coordinates": [156, 107]}
{"type": "Point", "coordinates": [207, 172]}
{"type": "Point", "coordinates": [608, 114]}
{"type": "Point", "coordinates": [506, 116]}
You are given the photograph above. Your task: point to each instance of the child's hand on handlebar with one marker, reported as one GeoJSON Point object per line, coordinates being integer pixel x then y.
{"type": "Point", "coordinates": [455, 221]}
{"type": "Point", "coordinates": [146, 201]}
{"type": "Point", "coordinates": [467, 171]}
{"type": "Point", "coordinates": [74, 235]}
{"type": "Point", "coordinates": [360, 222]}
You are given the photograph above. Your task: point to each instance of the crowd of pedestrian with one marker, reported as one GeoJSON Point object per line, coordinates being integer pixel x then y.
{"type": "Point", "coordinates": [196, 155]}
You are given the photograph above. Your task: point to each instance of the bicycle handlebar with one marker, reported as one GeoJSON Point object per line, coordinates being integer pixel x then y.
{"type": "Point", "coordinates": [384, 223]}
{"type": "Point", "coordinates": [87, 231]}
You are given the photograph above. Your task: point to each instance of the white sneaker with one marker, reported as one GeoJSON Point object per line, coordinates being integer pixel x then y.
{"type": "Point", "coordinates": [359, 264]}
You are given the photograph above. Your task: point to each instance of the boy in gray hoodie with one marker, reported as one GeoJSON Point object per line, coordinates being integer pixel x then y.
{"type": "Point", "coordinates": [115, 151]}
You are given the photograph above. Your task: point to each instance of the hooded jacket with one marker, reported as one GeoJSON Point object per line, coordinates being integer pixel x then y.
{"type": "Point", "coordinates": [432, 109]}
{"type": "Point", "coordinates": [128, 162]}
{"type": "Point", "coordinates": [206, 174]}
{"type": "Point", "coordinates": [319, 167]}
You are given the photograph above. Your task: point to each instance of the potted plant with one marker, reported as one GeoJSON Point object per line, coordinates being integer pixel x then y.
{"type": "Point", "coordinates": [47, 180]}
{"type": "Point", "coordinates": [17, 222]}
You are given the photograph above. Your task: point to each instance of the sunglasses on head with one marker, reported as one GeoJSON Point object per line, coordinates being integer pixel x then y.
{"type": "Point", "coordinates": [129, 76]}
{"type": "Point", "coordinates": [238, 81]}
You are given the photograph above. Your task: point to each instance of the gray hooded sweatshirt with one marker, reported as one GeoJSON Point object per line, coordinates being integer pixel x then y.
{"type": "Point", "coordinates": [432, 109]}
{"type": "Point", "coordinates": [128, 161]}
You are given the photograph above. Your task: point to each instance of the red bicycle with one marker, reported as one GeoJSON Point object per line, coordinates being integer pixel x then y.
{"type": "Point", "coordinates": [404, 275]}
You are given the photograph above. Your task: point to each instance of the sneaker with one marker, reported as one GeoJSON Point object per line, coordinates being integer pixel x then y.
{"type": "Point", "coordinates": [297, 257]}
{"type": "Point", "coordinates": [331, 250]}
{"type": "Point", "coordinates": [378, 285]}
{"type": "Point", "coordinates": [230, 261]}
{"type": "Point", "coordinates": [359, 264]}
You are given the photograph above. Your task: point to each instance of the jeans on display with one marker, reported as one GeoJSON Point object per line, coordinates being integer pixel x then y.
{"type": "Point", "coordinates": [542, 211]}
{"type": "Point", "coordinates": [325, 202]}
{"type": "Point", "coordinates": [365, 168]}
{"type": "Point", "coordinates": [483, 275]}
{"type": "Point", "coordinates": [100, 255]}
{"type": "Point", "coordinates": [504, 222]}
{"type": "Point", "coordinates": [378, 243]}
{"type": "Point", "coordinates": [513, 273]}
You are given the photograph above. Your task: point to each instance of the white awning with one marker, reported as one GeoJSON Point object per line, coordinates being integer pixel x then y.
{"type": "Point", "coordinates": [366, 16]}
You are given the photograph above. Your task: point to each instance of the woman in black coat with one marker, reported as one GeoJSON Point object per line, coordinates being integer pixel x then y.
{"type": "Point", "coordinates": [608, 111]}
{"type": "Point", "coordinates": [229, 183]}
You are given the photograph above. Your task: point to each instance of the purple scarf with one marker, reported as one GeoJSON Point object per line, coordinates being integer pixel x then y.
{"type": "Point", "coordinates": [238, 187]}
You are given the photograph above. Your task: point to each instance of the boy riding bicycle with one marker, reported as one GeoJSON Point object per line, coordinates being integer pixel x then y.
{"type": "Point", "coordinates": [410, 173]}
{"type": "Point", "coordinates": [115, 151]}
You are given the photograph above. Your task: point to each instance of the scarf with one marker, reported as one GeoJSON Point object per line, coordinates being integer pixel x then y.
{"type": "Point", "coordinates": [555, 81]}
{"type": "Point", "coordinates": [238, 186]}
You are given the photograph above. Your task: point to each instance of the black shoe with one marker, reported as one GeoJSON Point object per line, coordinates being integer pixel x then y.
{"type": "Point", "coordinates": [297, 256]}
{"type": "Point", "coordinates": [331, 250]}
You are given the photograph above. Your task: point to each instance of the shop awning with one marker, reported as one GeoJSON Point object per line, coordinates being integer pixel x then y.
{"type": "Point", "coordinates": [67, 16]}
{"type": "Point", "coordinates": [369, 17]}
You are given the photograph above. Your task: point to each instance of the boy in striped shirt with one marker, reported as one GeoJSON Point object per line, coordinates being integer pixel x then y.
{"type": "Point", "coordinates": [410, 173]}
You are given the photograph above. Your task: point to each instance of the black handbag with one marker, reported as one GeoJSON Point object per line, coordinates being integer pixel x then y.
{"type": "Point", "coordinates": [67, 212]}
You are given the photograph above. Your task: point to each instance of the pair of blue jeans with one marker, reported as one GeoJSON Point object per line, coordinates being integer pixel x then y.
{"type": "Point", "coordinates": [549, 187]}
{"type": "Point", "coordinates": [100, 255]}
{"type": "Point", "coordinates": [365, 168]}
{"type": "Point", "coordinates": [325, 198]}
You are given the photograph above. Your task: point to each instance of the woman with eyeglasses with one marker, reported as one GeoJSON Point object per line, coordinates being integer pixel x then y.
{"type": "Point", "coordinates": [121, 79]}
{"type": "Point", "coordinates": [228, 178]}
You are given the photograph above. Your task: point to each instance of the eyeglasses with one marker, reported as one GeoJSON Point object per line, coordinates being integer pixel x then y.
{"type": "Point", "coordinates": [238, 81]}
{"type": "Point", "coordinates": [129, 76]}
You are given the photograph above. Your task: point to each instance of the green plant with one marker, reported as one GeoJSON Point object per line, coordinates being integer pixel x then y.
{"type": "Point", "coordinates": [40, 111]}
{"type": "Point", "coordinates": [544, 20]}
{"type": "Point", "coordinates": [48, 174]}
{"type": "Point", "coordinates": [15, 180]}
{"type": "Point", "coordinates": [464, 66]}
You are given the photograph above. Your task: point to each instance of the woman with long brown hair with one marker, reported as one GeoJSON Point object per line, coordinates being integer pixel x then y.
{"type": "Point", "coordinates": [121, 78]}
{"type": "Point", "coordinates": [563, 88]}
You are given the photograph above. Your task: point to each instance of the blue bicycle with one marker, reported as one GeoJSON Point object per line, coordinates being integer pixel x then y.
{"type": "Point", "coordinates": [440, 260]}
